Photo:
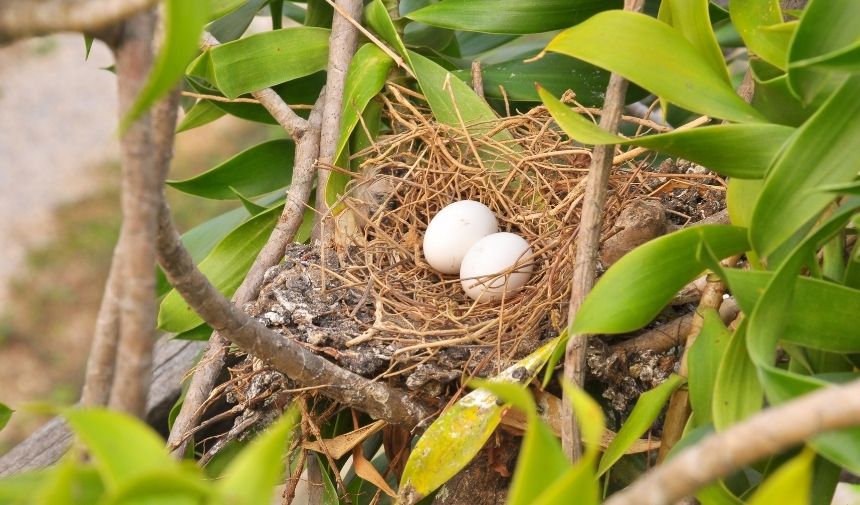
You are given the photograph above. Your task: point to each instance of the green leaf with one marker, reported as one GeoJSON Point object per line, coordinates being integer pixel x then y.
{"type": "Point", "coordinates": [234, 24]}
{"type": "Point", "coordinates": [5, 415]}
{"type": "Point", "coordinates": [827, 27]}
{"type": "Point", "coordinates": [648, 407]}
{"type": "Point", "coordinates": [741, 196]}
{"type": "Point", "coordinates": [218, 8]}
{"type": "Point", "coordinates": [250, 206]}
{"type": "Point", "coordinates": [737, 391]}
{"type": "Point", "coordinates": [364, 80]}
{"type": "Point", "coordinates": [640, 284]}
{"type": "Point", "coordinates": [202, 113]}
{"type": "Point", "coordinates": [704, 359]}
{"type": "Point", "coordinates": [251, 477]}
{"type": "Point", "coordinates": [775, 100]}
{"type": "Point", "coordinates": [20, 488]}
{"type": "Point", "coordinates": [377, 18]}
{"type": "Point", "coordinates": [200, 333]}
{"type": "Point", "coordinates": [737, 150]}
{"type": "Point", "coordinates": [691, 18]}
{"type": "Point", "coordinates": [225, 266]}
{"type": "Point", "coordinates": [846, 59]}
{"type": "Point", "coordinates": [141, 449]}
{"type": "Point", "coordinates": [168, 486]}
{"type": "Point", "coordinates": [556, 72]}
{"type": "Point", "coordinates": [255, 171]}
{"type": "Point", "coordinates": [789, 485]}
{"type": "Point", "coordinates": [813, 319]}
{"type": "Point", "coordinates": [510, 16]}
{"type": "Point", "coordinates": [672, 68]}
{"type": "Point", "coordinates": [183, 24]}
{"type": "Point", "coordinates": [541, 460]}
{"type": "Point", "coordinates": [822, 153]}
{"type": "Point", "coordinates": [266, 59]}
{"type": "Point", "coordinates": [716, 493]}
{"type": "Point", "coordinates": [457, 435]}
{"type": "Point", "coordinates": [749, 18]}
{"type": "Point", "coordinates": [67, 482]}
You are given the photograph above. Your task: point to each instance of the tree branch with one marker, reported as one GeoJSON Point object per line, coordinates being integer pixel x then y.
{"type": "Point", "coordinates": [587, 245]}
{"type": "Point", "coordinates": [282, 353]}
{"type": "Point", "coordinates": [29, 18]}
{"type": "Point", "coordinates": [767, 433]}
{"type": "Point", "coordinates": [341, 48]}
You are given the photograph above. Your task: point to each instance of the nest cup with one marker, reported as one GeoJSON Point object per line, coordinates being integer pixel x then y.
{"type": "Point", "coordinates": [524, 169]}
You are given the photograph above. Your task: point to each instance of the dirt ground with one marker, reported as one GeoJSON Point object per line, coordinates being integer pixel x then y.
{"type": "Point", "coordinates": [59, 211]}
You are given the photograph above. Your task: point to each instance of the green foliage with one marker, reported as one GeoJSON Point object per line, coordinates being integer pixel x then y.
{"type": "Point", "coordinates": [5, 415]}
{"type": "Point", "coordinates": [130, 464]}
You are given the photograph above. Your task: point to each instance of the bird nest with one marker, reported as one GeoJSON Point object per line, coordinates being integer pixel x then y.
{"type": "Point", "coordinates": [527, 172]}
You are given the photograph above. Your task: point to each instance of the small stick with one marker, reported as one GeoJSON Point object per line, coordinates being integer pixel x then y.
{"type": "Point", "coordinates": [477, 78]}
{"type": "Point", "coordinates": [587, 244]}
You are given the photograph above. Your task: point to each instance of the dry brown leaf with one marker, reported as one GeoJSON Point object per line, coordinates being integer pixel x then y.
{"type": "Point", "coordinates": [341, 445]}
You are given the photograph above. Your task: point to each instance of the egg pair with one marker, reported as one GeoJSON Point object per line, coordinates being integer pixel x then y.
{"type": "Point", "coordinates": [464, 238]}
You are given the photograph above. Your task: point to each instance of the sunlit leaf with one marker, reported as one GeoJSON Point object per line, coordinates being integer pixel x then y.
{"type": "Point", "coordinates": [826, 27]}
{"type": "Point", "coordinates": [202, 113]}
{"type": "Point", "coordinates": [141, 450]}
{"type": "Point", "coordinates": [5, 415]}
{"type": "Point", "coordinates": [510, 16]}
{"type": "Point", "coordinates": [266, 59]}
{"type": "Point", "coordinates": [738, 150]}
{"type": "Point", "coordinates": [252, 476]}
{"type": "Point", "coordinates": [749, 17]}
{"type": "Point", "coordinates": [791, 484]}
{"type": "Point", "coordinates": [825, 149]}
{"type": "Point", "coordinates": [645, 412]}
{"type": "Point", "coordinates": [459, 433]}
{"type": "Point", "coordinates": [640, 284]}
{"type": "Point", "coordinates": [255, 171]}
{"type": "Point", "coordinates": [183, 24]}
{"type": "Point", "coordinates": [737, 391]}
{"type": "Point", "coordinates": [671, 68]}
{"type": "Point", "coordinates": [691, 18]}
{"type": "Point", "coordinates": [704, 359]}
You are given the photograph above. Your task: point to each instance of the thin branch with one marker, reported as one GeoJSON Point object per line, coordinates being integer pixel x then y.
{"type": "Point", "coordinates": [140, 180]}
{"type": "Point", "coordinates": [342, 43]}
{"type": "Point", "coordinates": [29, 18]}
{"type": "Point", "coordinates": [587, 245]}
{"type": "Point", "coordinates": [102, 358]}
{"type": "Point", "coordinates": [294, 124]}
{"type": "Point", "coordinates": [766, 433]}
{"type": "Point", "coordinates": [224, 99]}
{"type": "Point", "coordinates": [477, 78]}
{"type": "Point", "coordinates": [282, 353]}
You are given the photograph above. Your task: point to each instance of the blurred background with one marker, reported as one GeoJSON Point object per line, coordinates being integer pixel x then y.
{"type": "Point", "coordinates": [59, 211]}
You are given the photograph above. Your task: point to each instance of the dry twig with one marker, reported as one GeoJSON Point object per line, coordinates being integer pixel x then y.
{"type": "Point", "coordinates": [587, 244]}
{"type": "Point", "coordinates": [26, 18]}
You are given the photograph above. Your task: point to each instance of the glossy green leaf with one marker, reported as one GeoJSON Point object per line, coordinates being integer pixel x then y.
{"type": "Point", "coordinates": [775, 100]}
{"type": "Point", "coordinates": [266, 59]}
{"type": "Point", "coordinates": [704, 359]}
{"type": "Point", "coordinates": [255, 171]}
{"type": "Point", "coordinates": [716, 493]}
{"type": "Point", "coordinates": [741, 196]}
{"type": "Point", "coordinates": [252, 476]}
{"type": "Point", "coordinates": [749, 17]}
{"type": "Point", "coordinates": [377, 18]}
{"type": "Point", "coordinates": [640, 284]}
{"type": "Point", "coordinates": [827, 26]}
{"type": "Point", "coordinates": [813, 320]}
{"type": "Point", "coordinates": [645, 412]}
{"type": "Point", "coordinates": [822, 153]}
{"type": "Point", "coordinates": [841, 60]}
{"type": "Point", "coordinates": [225, 267]}
{"type": "Point", "coordinates": [473, 43]}
{"type": "Point", "coordinates": [202, 113]}
{"type": "Point", "coordinates": [737, 391]}
{"type": "Point", "coordinates": [457, 435]}
{"type": "Point", "coordinates": [200, 333]}
{"type": "Point", "coordinates": [510, 16]}
{"type": "Point", "coordinates": [5, 415]}
{"type": "Point", "coordinates": [791, 484]}
{"type": "Point", "coordinates": [18, 489]}
{"type": "Point", "coordinates": [578, 485]}
{"type": "Point", "coordinates": [364, 80]}
{"type": "Point", "coordinates": [183, 24]}
{"type": "Point", "coordinates": [141, 450]}
{"type": "Point", "coordinates": [737, 150]}
{"type": "Point", "coordinates": [66, 482]}
{"type": "Point", "coordinates": [252, 208]}
{"type": "Point", "coordinates": [672, 68]}
{"type": "Point", "coordinates": [541, 461]}
{"type": "Point", "coordinates": [691, 18]}
{"type": "Point", "coordinates": [231, 26]}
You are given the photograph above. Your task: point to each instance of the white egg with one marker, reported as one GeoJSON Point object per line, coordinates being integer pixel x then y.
{"type": "Point", "coordinates": [453, 231]}
{"type": "Point", "coordinates": [482, 272]}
